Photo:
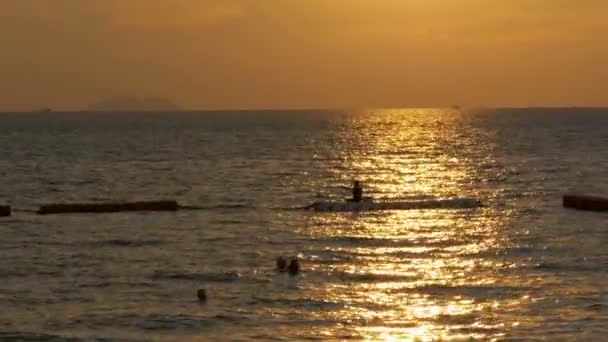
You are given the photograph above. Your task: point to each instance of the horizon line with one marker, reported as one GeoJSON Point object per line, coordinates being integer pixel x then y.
{"type": "Point", "coordinates": [295, 109]}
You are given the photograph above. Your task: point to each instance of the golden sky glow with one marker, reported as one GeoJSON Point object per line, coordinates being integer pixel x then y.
{"type": "Point", "coordinates": [304, 53]}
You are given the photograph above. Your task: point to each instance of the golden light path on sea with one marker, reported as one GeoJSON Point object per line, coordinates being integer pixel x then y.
{"type": "Point", "coordinates": [428, 281]}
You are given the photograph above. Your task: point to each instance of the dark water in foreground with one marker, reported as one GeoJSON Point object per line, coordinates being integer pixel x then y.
{"type": "Point", "coordinates": [520, 268]}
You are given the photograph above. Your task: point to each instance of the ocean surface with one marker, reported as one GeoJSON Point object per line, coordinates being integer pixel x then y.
{"type": "Point", "coordinates": [520, 268]}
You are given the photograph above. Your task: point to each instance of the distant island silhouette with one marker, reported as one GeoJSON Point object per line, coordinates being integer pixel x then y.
{"type": "Point", "coordinates": [128, 104]}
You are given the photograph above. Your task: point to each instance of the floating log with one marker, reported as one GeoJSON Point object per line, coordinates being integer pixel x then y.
{"type": "Point", "coordinates": [585, 202]}
{"type": "Point", "coordinates": [5, 210]}
{"type": "Point", "coordinates": [107, 207]}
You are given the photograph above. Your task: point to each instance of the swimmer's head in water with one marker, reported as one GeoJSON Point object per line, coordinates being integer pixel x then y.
{"type": "Point", "coordinates": [202, 295]}
{"type": "Point", "coordinates": [294, 267]}
{"type": "Point", "coordinates": [281, 263]}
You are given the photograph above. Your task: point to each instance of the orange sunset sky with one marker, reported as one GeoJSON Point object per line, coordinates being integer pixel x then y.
{"type": "Point", "coordinates": [222, 54]}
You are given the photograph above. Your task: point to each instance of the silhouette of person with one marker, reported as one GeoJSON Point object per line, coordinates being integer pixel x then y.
{"type": "Point", "coordinates": [357, 192]}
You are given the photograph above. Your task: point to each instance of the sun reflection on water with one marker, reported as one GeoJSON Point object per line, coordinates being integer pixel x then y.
{"type": "Point", "coordinates": [413, 275]}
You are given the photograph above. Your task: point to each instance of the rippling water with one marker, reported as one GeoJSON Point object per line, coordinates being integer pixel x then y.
{"type": "Point", "coordinates": [522, 267]}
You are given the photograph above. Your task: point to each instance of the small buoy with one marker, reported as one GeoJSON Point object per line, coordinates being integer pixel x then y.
{"type": "Point", "coordinates": [294, 267]}
{"type": "Point", "coordinates": [202, 295]}
{"type": "Point", "coordinates": [281, 264]}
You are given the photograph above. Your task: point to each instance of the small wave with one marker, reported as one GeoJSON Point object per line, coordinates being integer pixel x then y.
{"type": "Point", "coordinates": [308, 303]}
{"type": "Point", "coordinates": [130, 243]}
{"type": "Point", "coordinates": [434, 204]}
{"type": "Point", "coordinates": [229, 318]}
{"type": "Point", "coordinates": [84, 182]}
{"type": "Point", "coordinates": [166, 322]}
{"type": "Point", "coordinates": [219, 206]}
{"type": "Point", "coordinates": [225, 277]}
{"type": "Point", "coordinates": [368, 241]}
{"type": "Point", "coordinates": [364, 255]}
{"type": "Point", "coordinates": [217, 239]}
{"type": "Point", "coordinates": [26, 336]}
{"type": "Point", "coordinates": [233, 206]}
{"type": "Point", "coordinates": [4, 220]}
{"type": "Point", "coordinates": [102, 284]}
{"type": "Point", "coordinates": [571, 267]}
{"type": "Point", "coordinates": [295, 208]}
{"type": "Point", "coordinates": [597, 307]}
{"type": "Point", "coordinates": [401, 153]}
{"type": "Point", "coordinates": [473, 291]}
{"type": "Point", "coordinates": [372, 277]}
{"type": "Point", "coordinates": [49, 273]}
{"type": "Point", "coordinates": [350, 241]}
{"type": "Point", "coordinates": [334, 258]}
{"type": "Point", "coordinates": [230, 221]}
{"type": "Point", "coordinates": [403, 254]}
{"type": "Point", "coordinates": [531, 211]}
{"type": "Point", "coordinates": [11, 274]}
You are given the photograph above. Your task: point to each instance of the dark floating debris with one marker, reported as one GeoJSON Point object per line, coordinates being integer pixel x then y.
{"type": "Point", "coordinates": [5, 210]}
{"type": "Point", "coordinates": [585, 202]}
{"type": "Point", "coordinates": [107, 207]}
{"type": "Point", "coordinates": [202, 295]}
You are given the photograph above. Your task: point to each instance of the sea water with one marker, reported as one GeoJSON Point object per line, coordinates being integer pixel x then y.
{"type": "Point", "coordinates": [521, 267]}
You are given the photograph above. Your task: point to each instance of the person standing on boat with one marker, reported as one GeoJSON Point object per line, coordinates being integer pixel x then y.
{"type": "Point", "coordinates": [357, 191]}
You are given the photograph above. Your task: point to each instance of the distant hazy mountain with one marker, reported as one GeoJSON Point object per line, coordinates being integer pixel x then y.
{"type": "Point", "coordinates": [134, 104]}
